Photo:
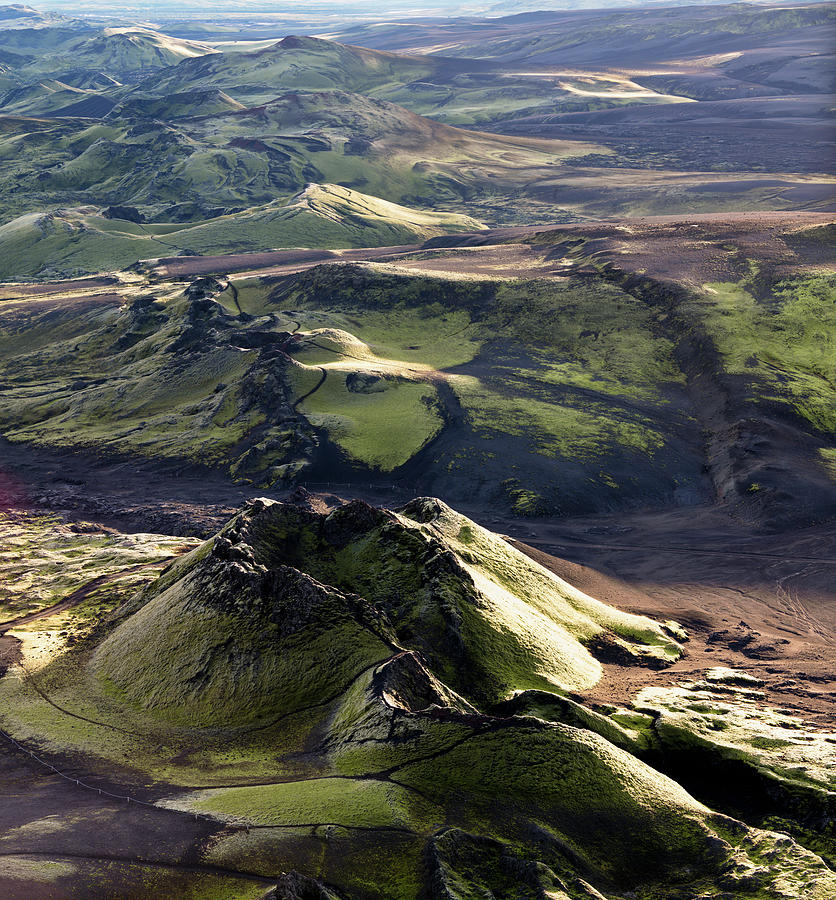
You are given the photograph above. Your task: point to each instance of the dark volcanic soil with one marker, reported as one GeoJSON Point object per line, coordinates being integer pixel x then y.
{"type": "Point", "coordinates": [762, 603]}
{"type": "Point", "coordinates": [132, 495]}
{"type": "Point", "coordinates": [47, 819]}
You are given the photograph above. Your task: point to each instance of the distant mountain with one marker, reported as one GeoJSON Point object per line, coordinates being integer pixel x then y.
{"type": "Point", "coordinates": [68, 48]}
{"type": "Point", "coordinates": [128, 116]}
{"type": "Point", "coordinates": [129, 49]}
{"type": "Point", "coordinates": [18, 15]}
{"type": "Point", "coordinates": [606, 37]}
{"type": "Point", "coordinates": [201, 102]}
{"type": "Point", "coordinates": [195, 168]}
{"type": "Point", "coordinates": [294, 63]}
{"type": "Point", "coordinates": [17, 11]}
{"type": "Point", "coordinates": [653, 36]}
{"type": "Point", "coordinates": [458, 91]}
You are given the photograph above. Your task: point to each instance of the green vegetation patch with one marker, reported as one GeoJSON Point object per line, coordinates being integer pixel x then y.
{"type": "Point", "coordinates": [353, 803]}
{"type": "Point", "coordinates": [582, 786]}
{"type": "Point", "coordinates": [34, 875]}
{"type": "Point", "coordinates": [234, 644]}
{"type": "Point", "coordinates": [43, 561]}
{"type": "Point", "coordinates": [381, 430]}
{"type": "Point", "coordinates": [782, 339]}
{"type": "Point", "coordinates": [500, 569]}
{"type": "Point", "coordinates": [575, 369]}
{"type": "Point", "coordinates": [76, 241]}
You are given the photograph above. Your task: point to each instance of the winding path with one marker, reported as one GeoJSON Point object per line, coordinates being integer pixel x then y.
{"type": "Point", "coordinates": [74, 598]}
{"type": "Point", "coordinates": [313, 390]}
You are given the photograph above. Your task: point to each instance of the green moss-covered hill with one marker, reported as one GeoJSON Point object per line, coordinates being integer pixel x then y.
{"type": "Point", "coordinates": [89, 239]}
{"type": "Point", "coordinates": [223, 159]}
{"type": "Point", "coordinates": [377, 700]}
{"type": "Point", "coordinates": [132, 118]}
{"type": "Point", "coordinates": [459, 92]}
{"type": "Point", "coordinates": [294, 63]}
{"type": "Point", "coordinates": [79, 50]}
{"type": "Point", "coordinates": [587, 389]}
{"type": "Point", "coordinates": [487, 619]}
{"type": "Point", "coordinates": [148, 65]}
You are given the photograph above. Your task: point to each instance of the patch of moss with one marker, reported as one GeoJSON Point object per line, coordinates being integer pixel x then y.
{"type": "Point", "coordinates": [381, 430]}
{"type": "Point", "coordinates": [781, 336]}
{"type": "Point", "coordinates": [524, 503]}
{"type": "Point", "coordinates": [347, 802]}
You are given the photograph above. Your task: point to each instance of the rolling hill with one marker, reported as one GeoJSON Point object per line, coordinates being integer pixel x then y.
{"type": "Point", "coordinates": [129, 117]}
{"type": "Point", "coordinates": [456, 91]}
{"type": "Point", "coordinates": [606, 60]}
{"type": "Point", "coordinates": [201, 169]}
{"type": "Point", "coordinates": [75, 241]}
{"type": "Point", "coordinates": [293, 64]}
{"type": "Point", "coordinates": [207, 165]}
{"type": "Point", "coordinates": [119, 51]}
{"type": "Point", "coordinates": [596, 37]}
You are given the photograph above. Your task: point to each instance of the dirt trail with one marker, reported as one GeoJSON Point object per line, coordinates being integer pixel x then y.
{"type": "Point", "coordinates": [313, 390]}
{"type": "Point", "coordinates": [74, 598]}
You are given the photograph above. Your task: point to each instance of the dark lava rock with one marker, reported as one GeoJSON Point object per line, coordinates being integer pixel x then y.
{"type": "Point", "coordinates": [454, 857]}
{"type": "Point", "coordinates": [126, 213]}
{"type": "Point", "coordinates": [357, 147]}
{"type": "Point", "coordinates": [607, 648]}
{"type": "Point", "coordinates": [365, 383]}
{"type": "Point", "coordinates": [743, 639]}
{"type": "Point", "coordinates": [295, 886]}
{"type": "Point", "coordinates": [347, 523]}
{"type": "Point", "coordinates": [203, 288]}
{"type": "Point", "coordinates": [256, 340]}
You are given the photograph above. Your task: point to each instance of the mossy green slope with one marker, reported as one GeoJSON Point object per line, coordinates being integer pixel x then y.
{"type": "Point", "coordinates": [455, 92]}
{"type": "Point", "coordinates": [601, 385]}
{"type": "Point", "coordinates": [240, 644]}
{"type": "Point", "coordinates": [119, 50]}
{"type": "Point", "coordinates": [251, 649]}
{"type": "Point", "coordinates": [265, 618]}
{"type": "Point", "coordinates": [184, 393]}
{"type": "Point", "coordinates": [43, 98]}
{"type": "Point", "coordinates": [512, 623]}
{"type": "Point", "coordinates": [781, 334]}
{"type": "Point", "coordinates": [576, 370]}
{"type": "Point", "coordinates": [294, 63]}
{"type": "Point", "coordinates": [770, 765]}
{"type": "Point", "coordinates": [42, 560]}
{"type": "Point", "coordinates": [184, 104]}
{"type": "Point", "coordinates": [370, 348]}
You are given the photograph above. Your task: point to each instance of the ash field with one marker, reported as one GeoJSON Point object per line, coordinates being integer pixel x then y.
{"type": "Point", "coordinates": [417, 453]}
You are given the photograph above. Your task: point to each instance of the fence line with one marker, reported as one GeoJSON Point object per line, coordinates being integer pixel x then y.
{"type": "Point", "coordinates": [360, 484]}
{"type": "Point", "coordinates": [79, 782]}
